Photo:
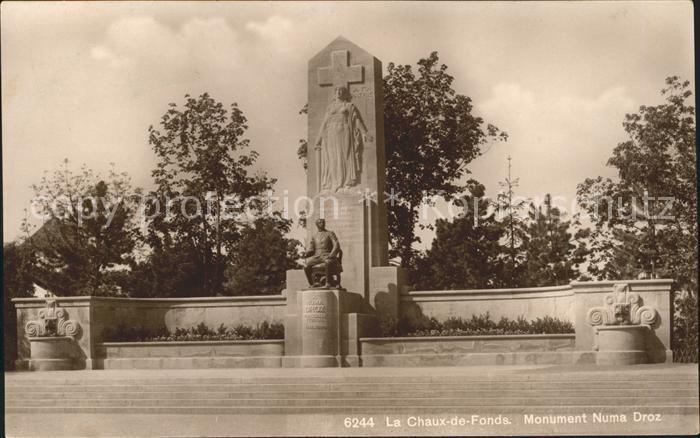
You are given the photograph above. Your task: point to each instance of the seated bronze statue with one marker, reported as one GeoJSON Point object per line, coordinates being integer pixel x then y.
{"type": "Point", "coordinates": [324, 258]}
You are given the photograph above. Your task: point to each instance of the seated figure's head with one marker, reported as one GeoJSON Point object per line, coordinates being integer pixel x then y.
{"type": "Point", "coordinates": [321, 224]}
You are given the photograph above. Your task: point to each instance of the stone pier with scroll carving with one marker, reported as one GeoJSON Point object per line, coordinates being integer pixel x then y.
{"type": "Point", "coordinates": [346, 183]}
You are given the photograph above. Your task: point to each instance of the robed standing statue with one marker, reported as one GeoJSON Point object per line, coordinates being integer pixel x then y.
{"type": "Point", "coordinates": [340, 142]}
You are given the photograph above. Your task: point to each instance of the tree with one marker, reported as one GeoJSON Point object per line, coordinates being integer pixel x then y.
{"type": "Point", "coordinates": [17, 282]}
{"type": "Point", "coordinates": [466, 253]}
{"type": "Point", "coordinates": [17, 278]}
{"type": "Point", "coordinates": [431, 137]}
{"type": "Point", "coordinates": [653, 203]}
{"type": "Point", "coordinates": [204, 181]}
{"type": "Point", "coordinates": [509, 212]}
{"type": "Point", "coordinates": [262, 257]}
{"type": "Point", "coordinates": [552, 252]}
{"type": "Point", "coordinates": [645, 222]}
{"type": "Point", "coordinates": [89, 231]}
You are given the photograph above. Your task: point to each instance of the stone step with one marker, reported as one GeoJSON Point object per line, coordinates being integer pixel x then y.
{"type": "Point", "coordinates": [303, 385]}
{"type": "Point", "coordinates": [324, 391]}
{"type": "Point", "coordinates": [332, 398]}
{"type": "Point", "coordinates": [484, 409]}
{"type": "Point", "coordinates": [553, 378]}
{"type": "Point", "coordinates": [357, 402]}
{"type": "Point", "coordinates": [342, 394]}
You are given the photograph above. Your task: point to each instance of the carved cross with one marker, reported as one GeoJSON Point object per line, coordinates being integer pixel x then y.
{"type": "Point", "coordinates": [340, 73]}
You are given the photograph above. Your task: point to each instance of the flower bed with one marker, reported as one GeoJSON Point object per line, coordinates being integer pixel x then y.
{"type": "Point", "coordinates": [477, 325]}
{"type": "Point", "coordinates": [263, 331]}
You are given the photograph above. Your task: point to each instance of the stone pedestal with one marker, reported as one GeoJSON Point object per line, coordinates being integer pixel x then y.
{"type": "Point", "coordinates": [313, 328]}
{"type": "Point", "coordinates": [51, 353]}
{"type": "Point", "coordinates": [621, 344]}
{"type": "Point", "coordinates": [319, 328]}
{"type": "Point", "coordinates": [323, 328]}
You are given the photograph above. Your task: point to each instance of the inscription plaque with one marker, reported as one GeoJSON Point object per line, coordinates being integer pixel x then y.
{"type": "Point", "coordinates": [315, 314]}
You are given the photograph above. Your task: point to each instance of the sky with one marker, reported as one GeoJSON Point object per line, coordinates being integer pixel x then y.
{"type": "Point", "coordinates": [84, 81]}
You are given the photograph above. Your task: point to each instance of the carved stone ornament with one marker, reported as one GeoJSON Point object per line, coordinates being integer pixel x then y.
{"type": "Point", "coordinates": [622, 307]}
{"type": "Point", "coordinates": [53, 321]}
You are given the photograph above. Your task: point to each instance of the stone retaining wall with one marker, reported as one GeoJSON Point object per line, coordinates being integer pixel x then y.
{"type": "Point", "coordinates": [557, 302]}
{"type": "Point", "coordinates": [94, 314]}
{"type": "Point", "coordinates": [467, 350]}
{"type": "Point", "coordinates": [570, 303]}
{"type": "Point", "coordinates": [202, 354]}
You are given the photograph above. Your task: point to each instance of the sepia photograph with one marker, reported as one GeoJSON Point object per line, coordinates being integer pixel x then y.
{"type": "Point", "coordinates": [349, 218]}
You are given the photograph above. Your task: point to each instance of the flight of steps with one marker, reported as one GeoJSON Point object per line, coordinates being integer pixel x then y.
{"type": "Point", "coordinates": [664, 391]}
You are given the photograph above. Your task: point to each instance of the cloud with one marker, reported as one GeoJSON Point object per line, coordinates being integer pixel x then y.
{"type": "Point", "coordinates": [145, 43]}
{"type": "Point", "coordinates": [210, 40]}
{"type": "Point", "coordinates": [275, 27]}
{"type": "Point", "coordinates": [144, 38]}
{"type": "Point", "coordinates": [556, 138]}
{"type": "Point", "coordinates": [280, 36]}
{"type": "Point", "coordinates": [545, 108]}
{"type": "Point", "coordinates": [557, 120]}
{"type": "Point", "coordinates": [103, 53]}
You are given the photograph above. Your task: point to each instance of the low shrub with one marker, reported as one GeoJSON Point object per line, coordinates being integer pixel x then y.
{"type": "Point", "coordinates": [477, 325]}
{"type": "Point", "coordinates": [201, 332]}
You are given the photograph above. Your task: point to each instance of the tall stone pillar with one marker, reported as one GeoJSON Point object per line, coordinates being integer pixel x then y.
{"type": "Point", "coordinates": [354, 133]}
{"type": "Point", "coordinates": [346, 179]}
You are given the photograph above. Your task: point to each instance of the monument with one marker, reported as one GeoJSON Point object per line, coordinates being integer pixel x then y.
{"type": "Point", "coordinates": [346, 181]}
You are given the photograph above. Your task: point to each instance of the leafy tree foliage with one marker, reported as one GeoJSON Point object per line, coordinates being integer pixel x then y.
{"type": "Point", "coordinates": [17, 282]}
{"type": "Point", "coordinates": [165, 272]}
{"type": "Point", "coordinates": [17, 278]}
{"type": "Point", "coordinates": [553, 252]}
{"type": "Point", "coordinates": [646, 220]}
{"type": "Point", "coordinates": [466, 253]}
{"type": "Point", "coordinates": [204, 188]}
{"type": "Point", "coordinates": [262, 257]}
{"type": "Point", "coordinates": [88, 235]}
{"type": "Point", "coordinates": [684, 342]}
{"type": "Point", "coordinates": [431, 137]}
